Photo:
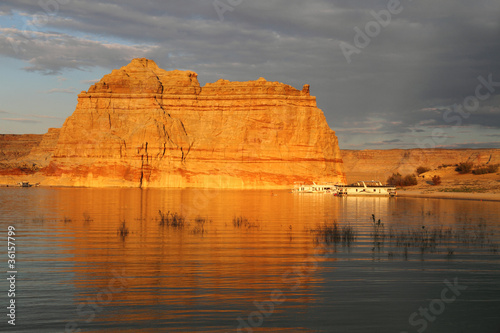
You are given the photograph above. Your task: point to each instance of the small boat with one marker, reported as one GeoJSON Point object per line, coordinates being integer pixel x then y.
{"type": "Point", "coordinates": [366, 188]}
{"type": "Point", "coordinates": [27, 184]}
{"type": "Point", "coordinates": [315, 188]}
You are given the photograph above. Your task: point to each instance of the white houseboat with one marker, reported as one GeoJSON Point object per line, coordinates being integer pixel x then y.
{"type": "Point", "coordinates": [368, 188]}
{"type": "Point", "coordinates": [315, 188]}
{"type": "Point", "coordinates": [27, 184]}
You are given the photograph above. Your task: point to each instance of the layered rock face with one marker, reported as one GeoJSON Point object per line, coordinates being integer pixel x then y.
{"type": "Point", "coordinates": [144, 126]}
{"type": "Point", "coordinates": [14, 153]}
{"type": "Point", "coordinates": [41, 154]}
{"type": "Point", "coordinates": [14, 146]}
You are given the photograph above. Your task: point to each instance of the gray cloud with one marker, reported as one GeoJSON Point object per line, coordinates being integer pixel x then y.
{"type": "Point", "coordinates": [473, 145]}
{"type": "Point", "coordinates": [427, 59]}
{"type": "Point", "coordinates": [45, 116]}
{"type": "Point", "coordinates": [50, 53]}
{"type": "Point", "coordinates": [90, 82]}
{"type": "Point", "coordinates": [61, 90]}
{"type": "Point", "coordinates": [22, 120]}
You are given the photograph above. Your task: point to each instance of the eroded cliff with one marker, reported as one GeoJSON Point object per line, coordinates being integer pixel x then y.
{"type": "Point", "coordinates": [144, 126]}
{"type": "Point", "coordinates": [380, 164]}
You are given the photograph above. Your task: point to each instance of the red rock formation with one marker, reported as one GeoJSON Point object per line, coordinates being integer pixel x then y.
{"type": "Point", "coordinates": [13, 146]}
{"type": "Point", "coordinates": [14, 150]}
{"type": "Point", "coordinates": [144, 126]}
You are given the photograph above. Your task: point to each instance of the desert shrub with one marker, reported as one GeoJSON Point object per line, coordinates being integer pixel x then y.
{"type": "Point", "coordinates": [395, 180]}
{"type": "Point", "coordinates": [422, 169]}
{"type": "Point", "coordinates": [464, 167]}
{"type": "Point", "coordinates": [480, 171]}
{"type": "Point", "coordinates": [398, 180]}
{"type": "Point", "coordinates": [436, 180]}
{"type": "Point", "coordinates": [492, 168]}
{"type": "Point", "coordinates": [410, 180]}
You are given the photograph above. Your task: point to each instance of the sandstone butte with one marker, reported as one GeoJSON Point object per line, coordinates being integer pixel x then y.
{"type": "Point", "coordinates": [142, 126]}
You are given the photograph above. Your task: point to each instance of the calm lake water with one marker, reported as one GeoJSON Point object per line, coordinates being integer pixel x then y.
{"type": "Point", "coordinates": [101, 260]}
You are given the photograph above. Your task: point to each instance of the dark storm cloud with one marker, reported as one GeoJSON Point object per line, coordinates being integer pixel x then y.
{"type": "Point", "coordinates": [50, 53]}
{"type": "Point", "coordinates": [429, 55]}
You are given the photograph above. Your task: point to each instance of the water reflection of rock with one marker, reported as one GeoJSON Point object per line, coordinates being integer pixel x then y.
{"type": "Point", "coordinates": [177, 268]}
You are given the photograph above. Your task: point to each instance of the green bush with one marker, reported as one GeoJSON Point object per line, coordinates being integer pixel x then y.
{"type": "Point", "coordinates": [421, 170]}
{"type": "Point", "coordinates": [464, 167]}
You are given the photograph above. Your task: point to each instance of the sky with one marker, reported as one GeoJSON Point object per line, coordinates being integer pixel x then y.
{"type": "Point", "coordinates": [387, 74]}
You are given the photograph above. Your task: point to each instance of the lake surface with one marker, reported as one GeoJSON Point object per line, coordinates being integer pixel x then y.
{"type": "Point", "coordinates": [102, 260]}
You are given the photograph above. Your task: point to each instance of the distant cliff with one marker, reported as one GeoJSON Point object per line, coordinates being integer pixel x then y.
{"type": "Point", "coordinates": [14, 149]}
{"type": "Point", "coordinates": [380, 164]}
{"type": "Point", "coordinates": [14, 146]}
{"type": "Point", "coordinates": [144, 126]}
